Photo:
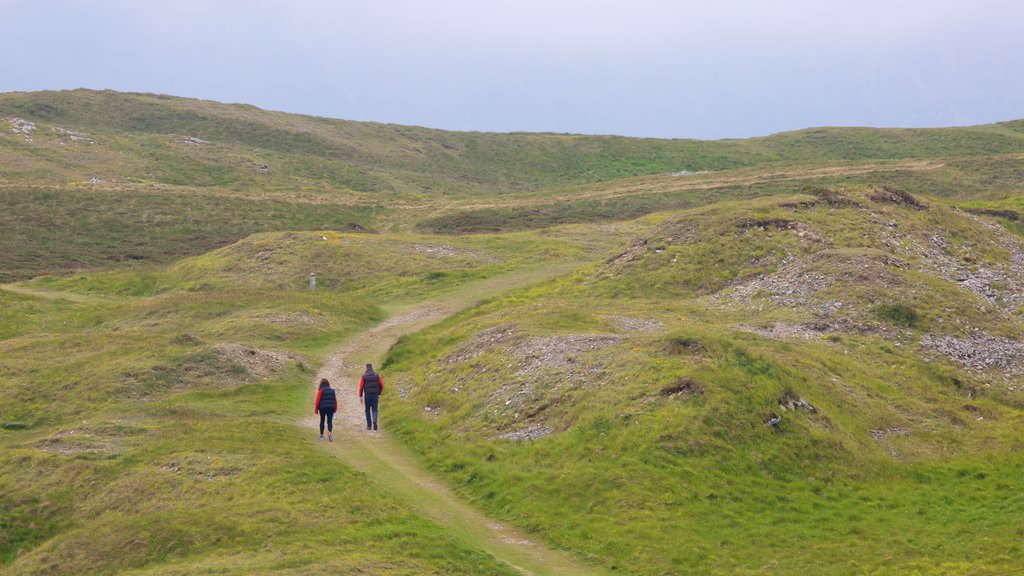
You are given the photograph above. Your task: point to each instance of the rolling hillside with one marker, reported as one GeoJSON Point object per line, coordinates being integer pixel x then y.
{"type": "Point", "coordinates": [831, 379]}
{"type": "Point", "coordinates": [797, 354]}
{"type": "Point", "coordinates": [92, 179]}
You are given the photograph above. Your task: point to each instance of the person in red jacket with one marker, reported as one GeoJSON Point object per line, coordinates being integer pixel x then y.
{"type": "Point", "coordinates": [371, 385]}
{"type": "Point", "coordinates": [326, 405]}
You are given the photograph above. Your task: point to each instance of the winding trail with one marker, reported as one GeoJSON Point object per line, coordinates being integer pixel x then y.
{"type": "Point", "coordinates": [390, 465]}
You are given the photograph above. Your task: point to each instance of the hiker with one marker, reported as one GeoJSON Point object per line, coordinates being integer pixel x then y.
{"type": "Point", "coordinates": [373, 386]}
{"type": "Point", "coordinates": [326, 405]}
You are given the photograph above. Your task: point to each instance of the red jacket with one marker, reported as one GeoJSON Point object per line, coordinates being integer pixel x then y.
{"type": "Point", "coordinates": [361, 385]}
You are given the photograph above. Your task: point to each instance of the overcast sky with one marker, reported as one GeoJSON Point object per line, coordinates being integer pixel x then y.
{"type": "Point", "coordinates": [701, 69]}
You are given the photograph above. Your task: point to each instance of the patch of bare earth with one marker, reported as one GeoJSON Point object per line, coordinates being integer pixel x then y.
{"type": "Point", "coordinates": [258, 362]}
{"type": "Point", "coordinates": [534, 374]}
{"type": "Point", "coordinates": [793, 285]}
{"type": "Point", "coordinates": [784, 331]}
{"type": "Point", "coordinates": [481, 342]}
{"type": "Point", "coordinates": [542, 370]}
{"type": "Point", "coordinates": [1000, 284]}
{"type": "Point", "coordinates": [560, 354]}
{"type": "Point", "coordinates": [534, 432]}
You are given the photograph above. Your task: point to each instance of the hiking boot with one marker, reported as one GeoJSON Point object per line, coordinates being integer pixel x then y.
{"type": "Point", "coordinates": [368, 427]}
{"type": "Point", "coordinates": [374, 425]}
{"type": "Point", "coordinates": [321, 437]}
{"type": "Point", "coordinates": [330, 437]}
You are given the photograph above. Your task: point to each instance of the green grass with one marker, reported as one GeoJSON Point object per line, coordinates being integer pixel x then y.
{"type": "Point", "coordinates": [59, 231]}
{"type": "Point", "coordinates": [899, 314]}
{"type": "Point", "coordinates": [638, 462]}
{"type": "Point", "coordinates": [208, 481]}
{"type": "Point", "coordinates": [153, 368]}
{"type": "Point", "coordinates": [161, 198]}
{"type": "Point", "coordinates": [629, 474]}
{"type": "Point", "coordinates": [126, 420]}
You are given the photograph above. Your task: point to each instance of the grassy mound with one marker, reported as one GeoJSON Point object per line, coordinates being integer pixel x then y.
{"type": "Point", "coordinates": [776, 382]}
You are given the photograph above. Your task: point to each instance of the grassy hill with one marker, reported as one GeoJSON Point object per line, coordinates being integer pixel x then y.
{"type": "Point", "coordinates": [148, 421]}
{"type": "Point", "coordinates": [143, 137]}
{"type": "Point", "coordinates": [806, 359]}
{"type": "Point", "coordinates": [89, 179]}
{"type": "Point", "coordinates": [626, 411]}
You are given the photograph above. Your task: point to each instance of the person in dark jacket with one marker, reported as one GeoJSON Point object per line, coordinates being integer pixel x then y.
{"type": "Point", "coordinates": [371, 385]}
{"type": "Point", "coordinates": [326, 405]}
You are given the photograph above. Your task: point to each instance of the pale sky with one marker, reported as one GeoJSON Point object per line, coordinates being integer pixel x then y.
{"type": "Point", "coordinates": [702, 69]}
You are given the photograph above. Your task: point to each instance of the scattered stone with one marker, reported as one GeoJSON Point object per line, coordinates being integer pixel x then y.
{"type": "Point", "coordinates": [998, 284]}
{"type": "Point", "coordinates": [260, 363]}
{"type": "Point", "coordinates": [791, 402]}
{"type": "Point", "coordinates": [688, 173]}
{"type": "Point", "coordinates": [74, 135]}
{"type": "Point", "coordinates": [95, 180]}
{"type": "Point", "coordinates": [882, 434]}
{"type": "Point", "coordinates": [766, 223]}
{"type": "Point", "coordinates": [979, 353]}
{"type": "Point", "coordinates": [480, 342]}
{"type": "Point", "coordinates": [792, 285]}
{"type": "Point", "coordinates": [529, 434]}
{"type": "Point", "coordinates": [194, 140]}
{"type": "Point", "coordinates": [783, 331]}
{"type": "Point", "coordinates": [773, 420]}
{"type": "Point", "coordinates": [557, 353]}
{"type": "Point", "coordinates": [20, 126]}
{"type": "Point", "coordinates": [446, 251]}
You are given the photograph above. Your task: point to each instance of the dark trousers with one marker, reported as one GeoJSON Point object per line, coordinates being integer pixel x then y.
{"type": "Point", "coordinates": [370, 402]}
{"type": "Point", "coordinates": [329, 416]}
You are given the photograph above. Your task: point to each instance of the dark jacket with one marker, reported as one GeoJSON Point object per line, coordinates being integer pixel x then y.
{"type": "Point", "coordinates": [371, 383]}
{"type": "Point", "coordinates": [326, 400]}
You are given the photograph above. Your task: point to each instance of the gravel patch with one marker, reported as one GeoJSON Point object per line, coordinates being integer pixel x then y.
{"type": "Point", "coordinates": [258, 362]}
{"type": "Point", "coordinates": [557, 353]}
{"type": "Point", "coordinates": [979, 353]}
{"type": "Point", "coordinates": [783, 331]}
{"type": "Point", "coordinates": [527, 434]}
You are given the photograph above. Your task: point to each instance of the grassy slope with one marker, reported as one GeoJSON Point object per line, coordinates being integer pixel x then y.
{"type": "Point", "coordinates": [635, 466]}
{"type": "Point", "coordinates": [162, 198]}
{"type": "Point", "coordinates": [659, 437]}
{"type": "Point", "coordinates": [165, 417]}
{"type": "Point", "coordinates": [385, 155]}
